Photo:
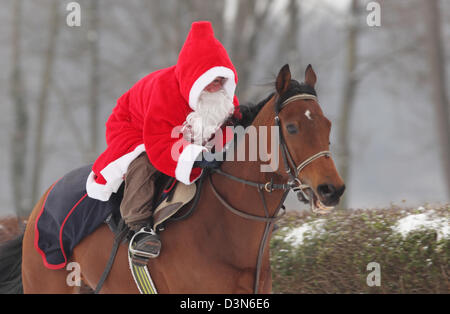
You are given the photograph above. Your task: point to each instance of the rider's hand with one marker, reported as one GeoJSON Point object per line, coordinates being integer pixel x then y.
{"type": "Point", "coordinates": [207, 164]}
{"type": "Point", "coordinates": [208, 161]}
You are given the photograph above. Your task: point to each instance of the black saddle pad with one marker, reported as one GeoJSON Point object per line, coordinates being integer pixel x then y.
{"type": "Point", "coordinates": [68, 215]}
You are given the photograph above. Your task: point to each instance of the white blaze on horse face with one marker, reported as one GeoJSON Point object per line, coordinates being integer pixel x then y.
{"type": "Point", "coordinates": [308, 114]}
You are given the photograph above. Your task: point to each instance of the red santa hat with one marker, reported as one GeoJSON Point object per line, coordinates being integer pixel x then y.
{"type": "Point", "coordinates": [201, 60]}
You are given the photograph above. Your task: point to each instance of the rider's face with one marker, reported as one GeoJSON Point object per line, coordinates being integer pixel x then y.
{"type": "Point", "coordinates": [215, 85]}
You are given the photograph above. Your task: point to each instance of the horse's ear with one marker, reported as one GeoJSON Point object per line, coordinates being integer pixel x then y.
{"type": "Point", "coordinates": [310, 76]}
{"type": "Point", "coordinates": [283, 79]}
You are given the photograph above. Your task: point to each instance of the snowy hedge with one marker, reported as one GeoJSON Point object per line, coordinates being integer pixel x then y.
{"type": "Point", "coordinates": [331, 254]}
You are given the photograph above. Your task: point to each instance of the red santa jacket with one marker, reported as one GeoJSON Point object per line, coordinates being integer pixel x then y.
{"type": "Point", "coordinates": [149, 116]}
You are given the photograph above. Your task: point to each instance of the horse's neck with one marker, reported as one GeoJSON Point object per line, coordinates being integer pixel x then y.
{"type": "Point", "coordinates": [255, 170]}
{"type": "Point", "coordinates": [242, 235]}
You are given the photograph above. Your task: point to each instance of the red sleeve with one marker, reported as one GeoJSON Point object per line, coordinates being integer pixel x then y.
{"type": "Point", "coordinates": [166, 148]}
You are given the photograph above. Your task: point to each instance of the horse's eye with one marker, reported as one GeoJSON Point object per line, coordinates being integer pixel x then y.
{"type": "Point", "coordinates": [291, 128]}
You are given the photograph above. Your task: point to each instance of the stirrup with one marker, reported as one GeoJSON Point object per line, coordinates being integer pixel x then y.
{"type": "Point", "coordinates": [153, 246]}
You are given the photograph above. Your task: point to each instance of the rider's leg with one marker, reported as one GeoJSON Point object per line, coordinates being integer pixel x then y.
{"type": "Point", "coordinates": [136, 205]}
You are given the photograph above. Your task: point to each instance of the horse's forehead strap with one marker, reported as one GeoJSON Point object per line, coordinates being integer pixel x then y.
{"type": "Point", "coordinates": [298, 97]}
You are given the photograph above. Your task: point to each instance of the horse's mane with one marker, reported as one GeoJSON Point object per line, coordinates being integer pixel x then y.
{"type": "Point", "coordinates": [249, 111]}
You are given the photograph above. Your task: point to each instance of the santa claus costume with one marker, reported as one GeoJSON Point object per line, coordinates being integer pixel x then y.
{"type": "Point", "coordinates": [146, 116]}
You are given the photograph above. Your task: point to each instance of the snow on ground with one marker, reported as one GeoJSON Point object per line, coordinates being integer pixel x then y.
{"type": "Point", "coordinates": [426, 219]}
{"type": "Point", "coordinates": [423, 221]}
{"type": "Point", "coordinates": [297, 235]}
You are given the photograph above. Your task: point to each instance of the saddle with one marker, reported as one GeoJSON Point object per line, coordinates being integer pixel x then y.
{"type": "Point", "coordinates": [180, 196]}
{"type": "Point", "coordinates": [166, 206]}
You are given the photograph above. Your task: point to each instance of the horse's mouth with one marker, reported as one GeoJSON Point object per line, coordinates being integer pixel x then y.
{"type": "Point", "coordinates": [316, 205]}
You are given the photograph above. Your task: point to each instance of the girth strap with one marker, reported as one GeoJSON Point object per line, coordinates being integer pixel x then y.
{"type": "Point", "coordinates": [142, 278]}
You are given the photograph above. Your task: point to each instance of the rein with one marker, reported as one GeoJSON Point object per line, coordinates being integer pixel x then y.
{"type": "Point", "coordinates": [293, 183]}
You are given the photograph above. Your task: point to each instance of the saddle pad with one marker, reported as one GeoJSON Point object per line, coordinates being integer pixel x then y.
{"type": "Point", "coordinates": [182, 195]}
{"type": "Point", "coordinates": [68, 215]}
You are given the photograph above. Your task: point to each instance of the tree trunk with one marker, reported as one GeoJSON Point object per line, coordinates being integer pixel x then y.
{"type": "Point", "coordinates": [290, 46]}
{"type": "Point", "coordinates": [436, 64]}
{"type": "Point", "coordinates": [245, 34]}
{"type": "Point", "coordinates": [18, 143]}
{"type": "Point", "coordinates": [94, 78]}
{"type": "Point", "coordinates": [240, 46]}
{"type": "Point", "coordinates": [43, 100]}
{"type": "Point", "coordinates": [348, 100]}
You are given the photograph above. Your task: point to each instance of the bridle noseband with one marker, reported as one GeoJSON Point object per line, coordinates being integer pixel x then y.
{"type": "Point", "coordinates": [293, 183]}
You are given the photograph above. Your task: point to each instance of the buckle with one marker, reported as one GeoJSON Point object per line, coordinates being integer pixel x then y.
{"type": "Point", "coordinates": [150, 247]}
{"type": "Point", "coordinates": [268, 187]}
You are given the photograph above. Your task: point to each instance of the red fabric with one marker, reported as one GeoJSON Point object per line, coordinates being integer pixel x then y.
{"type": "Point", "coordinates": [150, 110]}
{"type": "Point", "coordinates": [200, 52]}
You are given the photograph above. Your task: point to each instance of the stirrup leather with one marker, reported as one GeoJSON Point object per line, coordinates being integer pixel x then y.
{"type": "Point", "coordinates": [137, 261]}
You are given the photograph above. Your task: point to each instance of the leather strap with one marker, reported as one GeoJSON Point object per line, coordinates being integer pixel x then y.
{"type": "Point", "coordinates": [117, 240]}
{"type": "Point", "coordinates": [239, 212]}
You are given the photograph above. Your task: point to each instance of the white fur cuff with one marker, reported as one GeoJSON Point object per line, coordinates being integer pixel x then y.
{"type": "Point", "coordinates": [186, 162]}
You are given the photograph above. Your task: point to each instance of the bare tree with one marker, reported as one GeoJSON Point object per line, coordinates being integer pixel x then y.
{"type": "Point", "coordinates": [18, 143]}
{"type": "Point", "coordinates": [46, 79]}
{"type": "Point", "coordinates": [292, 32]}
{"type": "Point", "coordinates": [246, 33]}
{"type": "Point", "coordinates": [94, 77]}
{"type": "Point", "coordinates": [212, 11]}
{"type": "Point", "coordinates": [349, 90]}
{"type": "Point", "coordinates": [436, 63]}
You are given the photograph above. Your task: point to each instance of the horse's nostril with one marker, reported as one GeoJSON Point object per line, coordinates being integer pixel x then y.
{"type": "Point", "coordinates": [326, 190]}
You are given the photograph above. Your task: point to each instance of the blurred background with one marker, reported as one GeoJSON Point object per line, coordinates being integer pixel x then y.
{"type": "Point", "coordinates": [382, 82]}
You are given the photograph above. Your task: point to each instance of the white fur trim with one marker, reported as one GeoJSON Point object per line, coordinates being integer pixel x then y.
{"type": "Point", "coordinates": [113, 174]}
{"type": "Point", "coordinates": [186, 162]}
{"type": "Point", "coordinates": [206, 78]}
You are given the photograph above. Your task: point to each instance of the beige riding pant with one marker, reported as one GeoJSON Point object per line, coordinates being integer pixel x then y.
{"type": "Point", "coordinates": [139, 191]}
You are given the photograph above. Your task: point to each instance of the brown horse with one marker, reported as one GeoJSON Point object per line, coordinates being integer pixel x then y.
{"type": "Point", "coordinates": [223, 246]}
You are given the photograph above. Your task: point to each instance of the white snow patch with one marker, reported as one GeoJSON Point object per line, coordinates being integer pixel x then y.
{"type": "Point", "coordinates": [423, 221]}
{"type": "Point", "coordinates": [297, 235]}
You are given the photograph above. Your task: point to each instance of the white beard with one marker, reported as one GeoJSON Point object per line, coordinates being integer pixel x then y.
{"type": "Point", "coordinates": [213, 109]}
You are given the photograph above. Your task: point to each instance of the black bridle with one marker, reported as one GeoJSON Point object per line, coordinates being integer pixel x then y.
{"type": "Point", "coordinates": [293, 183]}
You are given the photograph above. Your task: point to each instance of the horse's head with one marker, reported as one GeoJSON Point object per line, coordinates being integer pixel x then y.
{"type": "Point", "coordinates": [305, 134]}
